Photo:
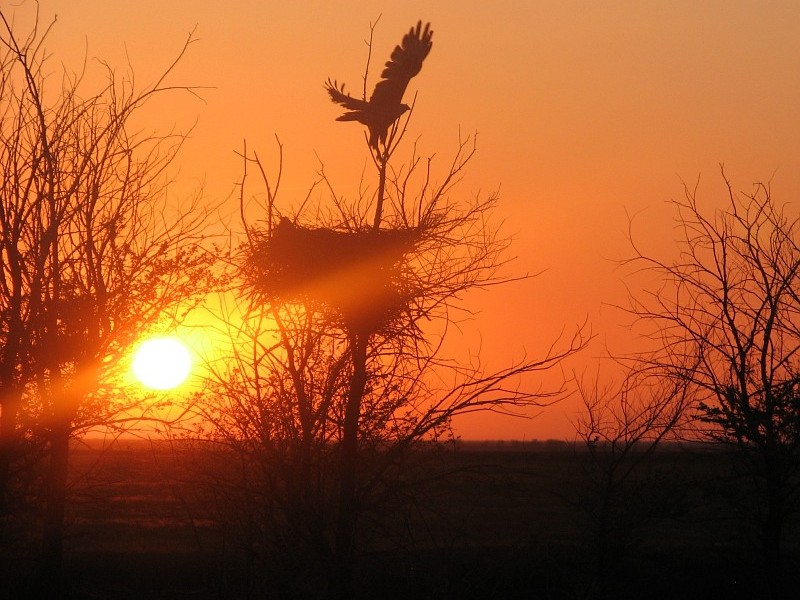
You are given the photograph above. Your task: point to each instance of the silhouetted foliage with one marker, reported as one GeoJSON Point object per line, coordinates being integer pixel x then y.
{"type": "Point", "coordinates": [728, 322]}
{"type": "Point", "coordinates": [620, 490]}
{"type": "Point", "coordinates": [91, 255]}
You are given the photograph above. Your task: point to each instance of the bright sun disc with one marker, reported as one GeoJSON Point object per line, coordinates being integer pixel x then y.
{"type": "Point", "coordinates": [162, 363]}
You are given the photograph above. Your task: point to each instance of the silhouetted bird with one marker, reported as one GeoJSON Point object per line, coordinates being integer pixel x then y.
{"type": "Point", "coordinates": [385, 105]}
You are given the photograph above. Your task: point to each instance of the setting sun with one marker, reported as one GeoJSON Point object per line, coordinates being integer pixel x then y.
{"type": "Point", "coordinates": [162, 363]}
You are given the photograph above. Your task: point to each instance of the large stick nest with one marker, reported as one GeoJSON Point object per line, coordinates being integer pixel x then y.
{"type": "Point", "coordinates": [359, 275]}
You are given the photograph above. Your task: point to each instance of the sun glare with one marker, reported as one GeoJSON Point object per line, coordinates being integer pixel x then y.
{"type": "Point", "coordinates": [162, 363]}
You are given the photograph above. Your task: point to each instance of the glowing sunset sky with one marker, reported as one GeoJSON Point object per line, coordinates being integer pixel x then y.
{"type": "Point", "coordinates": [584, 110]}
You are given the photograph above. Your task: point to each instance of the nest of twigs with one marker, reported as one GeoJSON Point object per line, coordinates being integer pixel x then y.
{"type": "Point", "coordinates": [359, 275]}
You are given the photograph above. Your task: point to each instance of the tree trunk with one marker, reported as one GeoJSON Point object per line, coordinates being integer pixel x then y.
{"type": "Point", "coordinates": [772, 531]}
{"type": "Point", "coordinates": [53, 534]}
{"type": "Point", "coordinates": [381, 192]}
{"type": "Point", "coordinates": [10, 400]}
{"type": "Point", "coordinates": [8, 442]}
{"type": "Point", "coordinates": [340, 587]}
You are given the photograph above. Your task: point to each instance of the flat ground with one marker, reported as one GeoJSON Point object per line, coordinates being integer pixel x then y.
{"type": "Point", "coordinates": [487, 520]}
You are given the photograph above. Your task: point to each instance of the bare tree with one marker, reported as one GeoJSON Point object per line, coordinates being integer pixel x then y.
{"type": "Point", "coordinates": [92, 255]}
{"type": "Point", "coordinates": [728, 322]}
{"type": "Point", "coordinates": [621, 489]}
{"type": "Point", "coordinates": [338, 370]}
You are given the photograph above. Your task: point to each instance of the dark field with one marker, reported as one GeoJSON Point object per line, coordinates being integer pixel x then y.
{"type": "Point", "coordinates": [487, 520]}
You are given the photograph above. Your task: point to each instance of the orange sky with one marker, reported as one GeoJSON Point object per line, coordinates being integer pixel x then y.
{"type": "Point", "coordinates": [584, 110]}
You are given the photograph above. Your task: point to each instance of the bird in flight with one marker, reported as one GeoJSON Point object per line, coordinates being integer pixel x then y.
{"type": "Point", "coordinates": [385, 105]}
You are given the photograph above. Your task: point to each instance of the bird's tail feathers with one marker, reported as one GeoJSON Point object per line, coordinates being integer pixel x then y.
{"type": "Point", "coordinates": [349, 116]}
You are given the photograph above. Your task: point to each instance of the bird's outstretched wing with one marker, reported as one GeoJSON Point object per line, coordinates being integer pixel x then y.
{"type": "Point", "coordinates": [405, 63]}
{"type": "Point", "coordinates": [338, 95]}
